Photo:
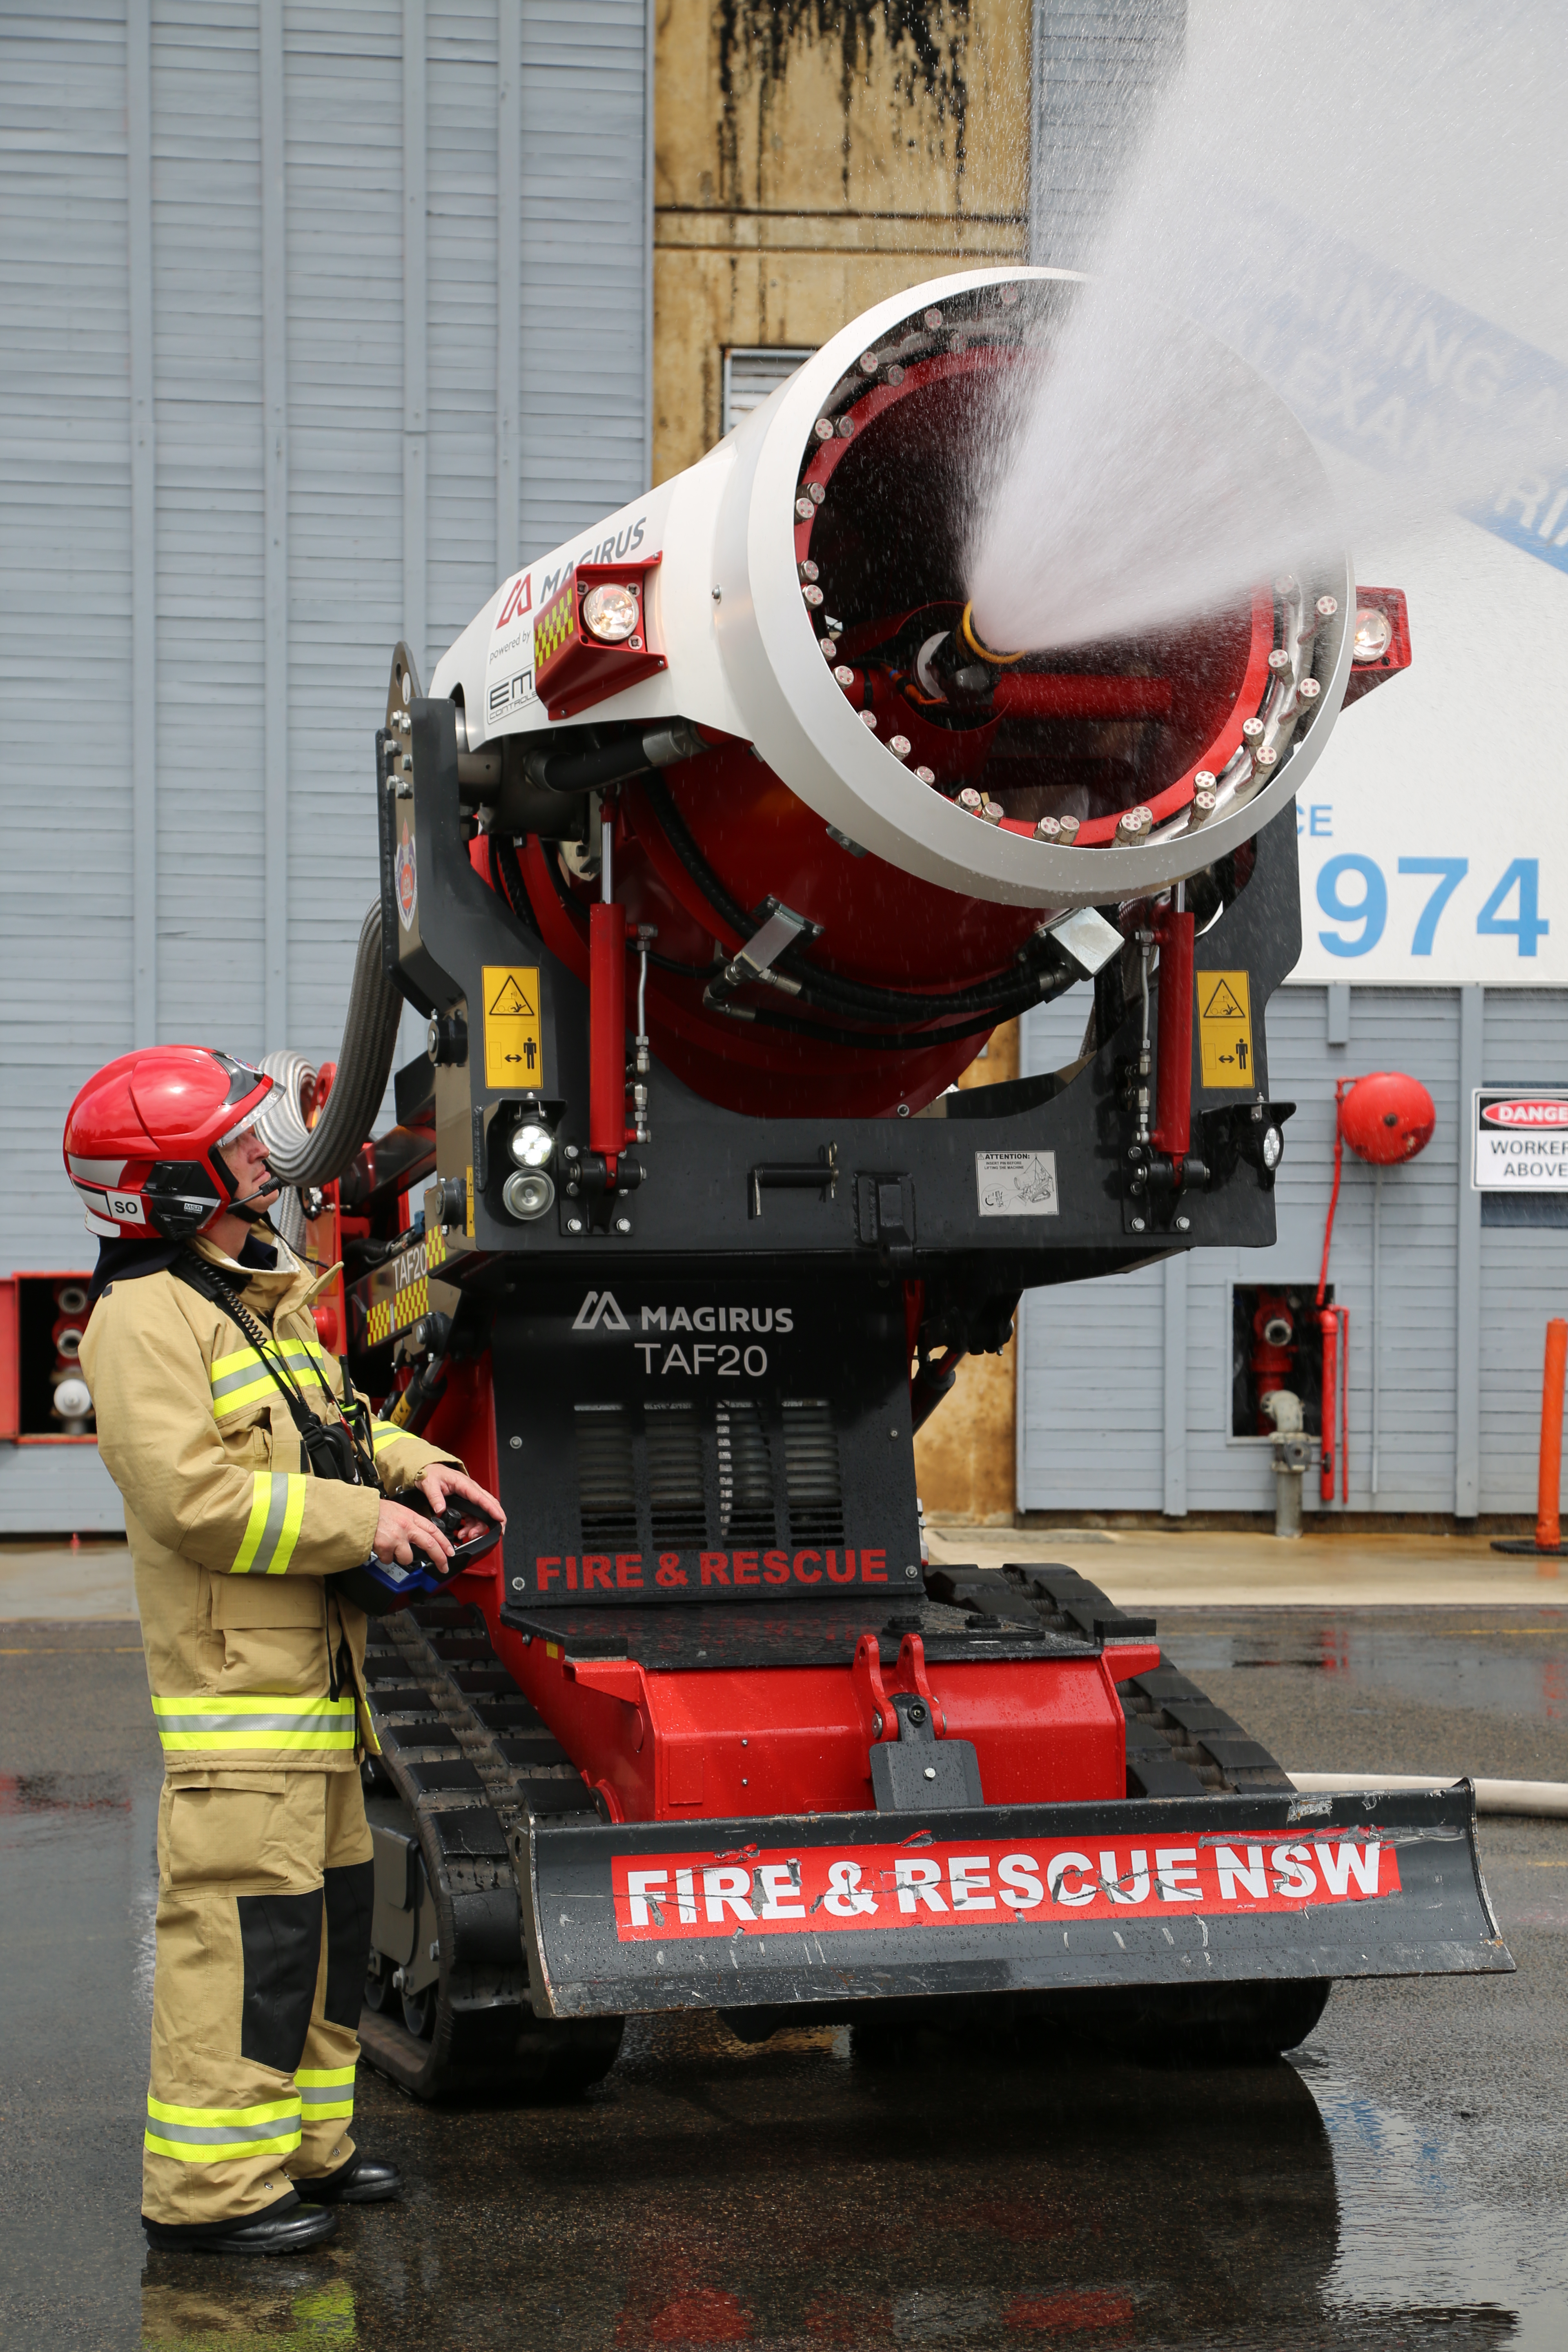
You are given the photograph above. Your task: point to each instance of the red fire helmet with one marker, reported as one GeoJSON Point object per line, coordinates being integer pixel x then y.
{"type": "Point", "coordinates": [142, 1139]}
{"type": "Point", "coordinates": [1387, 1118]}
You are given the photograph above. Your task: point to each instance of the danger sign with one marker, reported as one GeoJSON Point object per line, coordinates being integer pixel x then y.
{"type": "Point", "coordinates": [1224, 1030]}
{"type": "Point", "coordinates": [1521, 1141]}
{"type": "Point", "coordinates": [514, 1049]}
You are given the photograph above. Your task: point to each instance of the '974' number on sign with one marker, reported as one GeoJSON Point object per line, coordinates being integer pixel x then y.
{"type": "Point", "coordinates": [1351, 892]}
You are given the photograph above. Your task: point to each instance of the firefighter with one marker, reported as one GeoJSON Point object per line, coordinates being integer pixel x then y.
{"type": "Point", "coordinates": [220, 1417]}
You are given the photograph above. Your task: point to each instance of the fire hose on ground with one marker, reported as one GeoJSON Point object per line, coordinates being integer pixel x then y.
{"type": "Point", "coordinates": [1539, 1800]}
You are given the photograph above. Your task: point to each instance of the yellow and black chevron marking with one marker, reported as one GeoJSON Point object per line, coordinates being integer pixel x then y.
{"type": "Point", "coordinates": [556, 627]}
{"type": "Point", "coordinates": [388, 1316]}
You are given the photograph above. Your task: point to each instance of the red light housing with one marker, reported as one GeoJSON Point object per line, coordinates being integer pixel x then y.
{"type": "Point", "coordinates": [1394, 656]}
{"type": "Point", "coordinates": [573, 668]}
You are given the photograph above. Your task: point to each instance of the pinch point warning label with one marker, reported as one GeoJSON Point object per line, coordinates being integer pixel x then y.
{"type": "Point", "coordinates": [514, 1046]}
{"type": "Point", "coordinates": [1224, 1030]}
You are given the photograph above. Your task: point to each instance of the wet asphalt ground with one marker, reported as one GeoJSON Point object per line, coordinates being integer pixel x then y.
{"type": "Point", "coordinates": [1399, 2182]}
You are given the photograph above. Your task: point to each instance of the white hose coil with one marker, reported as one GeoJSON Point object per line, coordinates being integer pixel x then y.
{"type": "Point", "coordinates": [281, 1125]}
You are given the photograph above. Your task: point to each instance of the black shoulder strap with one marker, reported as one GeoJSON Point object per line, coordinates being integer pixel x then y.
{"type": "Point", "coordinates": [330, 1451]}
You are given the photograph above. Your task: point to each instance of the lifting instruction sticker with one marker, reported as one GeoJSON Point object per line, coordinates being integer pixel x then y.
{"type": "Point", "coordinates": [1016, 1183]}
{"type": "Point", "coordinates": [514, 1052]}
{"type": "Point", "coordinates": [1225, 1029]}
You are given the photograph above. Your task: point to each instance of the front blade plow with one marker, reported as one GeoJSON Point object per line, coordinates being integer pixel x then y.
{"type": "Point", "coordinates": [827, 1912]}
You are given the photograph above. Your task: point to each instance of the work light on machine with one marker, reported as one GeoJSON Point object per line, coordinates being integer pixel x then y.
{"type": "Point", "coordinates": [1373, 634]}
{"type": "Point", "coordinates": [610, 613]}
{"type": "Point", "coordinates": [530, 1144]}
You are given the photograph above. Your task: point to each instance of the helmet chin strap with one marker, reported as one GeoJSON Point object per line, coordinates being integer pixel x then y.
{"type": "Point", "coordinates": [241, 1208]}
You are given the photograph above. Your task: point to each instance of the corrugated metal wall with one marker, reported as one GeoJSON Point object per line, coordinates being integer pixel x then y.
{"type": "Point", "coordinates": [1125, 1385]}
{"type": "Point", "coordinates": [1098, 67]}
{"type": "Point", "coordinates": [318, 319]}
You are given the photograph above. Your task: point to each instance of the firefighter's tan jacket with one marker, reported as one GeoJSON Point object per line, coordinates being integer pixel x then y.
{"type": "Point", "coordinates": [230, 1535]}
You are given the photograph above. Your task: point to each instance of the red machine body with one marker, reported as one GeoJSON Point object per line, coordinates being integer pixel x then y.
{"type": "Point", "coordinates": [658, 1745]}
{"type": "Point", "coordinates": [673, 1745]}
{"type": "Point", "coordinates": [682, 1297]}
{"type": "Point", "coordinates": [1089, 736]}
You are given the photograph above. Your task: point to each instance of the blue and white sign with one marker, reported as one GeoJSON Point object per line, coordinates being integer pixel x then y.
{"type": "Point", "coordinates": [1434, 835]}
{"type": "Point", "coordinates": [1434, 830]}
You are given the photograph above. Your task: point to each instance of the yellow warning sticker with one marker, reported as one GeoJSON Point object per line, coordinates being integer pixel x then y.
{"type": "Point", "coordinates": [514, 1051]}
{"type": "Point", "coordinates": [1225, 1029]}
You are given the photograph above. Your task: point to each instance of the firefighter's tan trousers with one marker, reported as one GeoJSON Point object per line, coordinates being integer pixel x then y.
{"type": "Point", "coordinates": [264, 1906]}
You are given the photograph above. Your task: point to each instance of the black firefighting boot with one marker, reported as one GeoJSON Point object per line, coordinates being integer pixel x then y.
{"type": "Point", "coordinates": [362, 2180]}
{"type": "Point", "coordinates": [287, 2227]}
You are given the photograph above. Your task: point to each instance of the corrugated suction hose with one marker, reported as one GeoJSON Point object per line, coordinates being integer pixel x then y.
{"type": "Point", "coordinates": [364, 1063]}
{"type": "Point", "coordinates": [283, 1128]}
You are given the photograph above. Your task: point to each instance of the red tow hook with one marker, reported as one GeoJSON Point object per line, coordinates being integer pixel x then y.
{"type": "Point", "coordinates": [878, 1711]}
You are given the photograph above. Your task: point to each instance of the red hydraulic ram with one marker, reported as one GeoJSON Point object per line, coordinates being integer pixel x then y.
{"type": "Point", "coordinates": [1176, 933]}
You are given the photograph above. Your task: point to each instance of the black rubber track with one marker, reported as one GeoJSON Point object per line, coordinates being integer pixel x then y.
{"type": "Point", "coordinates": [432, 1679]}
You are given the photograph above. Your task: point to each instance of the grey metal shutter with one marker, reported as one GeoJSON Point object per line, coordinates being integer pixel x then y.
{"type": "Point", "coordinates": [1093, 1391]}
{"type": "Point", "coordinates": [752, 370]}
{"type": "Point", "coordinates": [393, 260]}
{"type": "Point", "coordinates": [586, 278]}
{"type": "Point", "coordinates": [347, 601]}
{"type": "Point", "coordinates": [207, 343]}
{"type": "Point", "coordinates": [1098, 67]}
{"type": "Point", "coordinates": [462, 135]}
{"type": "Point", "coordinates": [65, 601]}
{"type": "Point", "coordinates": [65, 627]}
{"type": "Point", "coordinates": [1091, 1375]}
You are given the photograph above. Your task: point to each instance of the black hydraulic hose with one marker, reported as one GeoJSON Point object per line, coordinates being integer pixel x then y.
{"type": "Point", "coordinates": [658, 793]}
{"type": "Point", "coordinates": [852, 996]}
{"type": "Point", "coordinates": [1038, 989]}
{"type": "Point", "coordinates": [831, 990]}
{"type": "Point", "coordinates": [514, 890]}
{"type": "Point", "coordinates": [508, 868]}
{"type": "Point", "coordinates": [364, 1065]}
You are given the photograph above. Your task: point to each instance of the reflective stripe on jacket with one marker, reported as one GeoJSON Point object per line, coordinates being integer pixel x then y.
{"type": "Point", "coordinates": [230, 1535]}
{"type": "Point", "coordinates": [284, 1727]}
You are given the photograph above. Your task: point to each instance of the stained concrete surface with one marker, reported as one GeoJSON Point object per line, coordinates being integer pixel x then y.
{"type": "Point", "coordinates": [1170, 1567]}
{"type": "Point", "coordinates": [1398, 2183]}
{"type": "Point", "coordinates": [66, 1583]}
{"type": "Point", "coordinates": [1141, 1568]}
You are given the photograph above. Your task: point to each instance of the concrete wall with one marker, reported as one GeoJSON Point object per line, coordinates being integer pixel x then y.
{"type": "Point", "coordinates": [810, 161]}
{"type": "Point", "coordinates": [964, 1455]}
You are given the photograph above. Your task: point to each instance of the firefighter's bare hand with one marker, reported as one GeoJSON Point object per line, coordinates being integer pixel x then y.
{"type": "Point", "coordinates": [444, 1484]}
{"type": "Point", "coordinates": [400, 1533]}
